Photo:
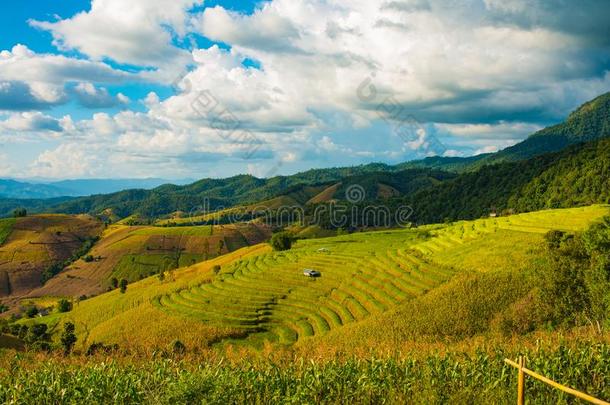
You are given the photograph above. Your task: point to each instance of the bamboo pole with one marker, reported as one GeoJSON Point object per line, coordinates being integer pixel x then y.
{"type": "Point", "coordinates": [553, 384]}
{"type": "Point", "coordinates": [521, 383]}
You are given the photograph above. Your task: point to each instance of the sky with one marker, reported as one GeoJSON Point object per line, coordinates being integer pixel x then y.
{"type": "Point", "coordinates": [193, 89]}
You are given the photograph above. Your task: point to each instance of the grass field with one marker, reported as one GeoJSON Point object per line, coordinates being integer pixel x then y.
{"type": "Point", "coordinates": [37, 242]}
{"type": "Point", "coordinates": [6, 227]}
{"type": "Point", "coordinates": [368, 280]}
{"type": "Point", "coordinates": [136, 252]}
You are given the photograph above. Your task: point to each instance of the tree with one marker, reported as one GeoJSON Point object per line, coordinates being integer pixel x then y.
{"type": "Point", "coordinates": [64, 305]}
{"type": "Point", "coordinates": [123, 286]}
{"type": "Point", "coordinates": [216, 269]}
{"type": "Point", "coordinates": [114, 283]}
{"type": "Point", "coordinates": [31, 312]}
{"type": "Point", "coordinates": [221, 245]}
{"type": "Point", "coordinates": [281, 241]}
{"type": "Point", "coordinates": [37, 332]}
{"type": "Point", "coordinates": [68, 338]}
{"type": "Point", "coordinates": [20, 212]}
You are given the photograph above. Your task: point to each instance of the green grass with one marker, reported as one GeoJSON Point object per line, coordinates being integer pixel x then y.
{"type": "Point", "coordinates": [135, 267]}
{"type": "Point", "coordinates": [451, 378]}
{"type": "Point", "coordinates": [6, 227]}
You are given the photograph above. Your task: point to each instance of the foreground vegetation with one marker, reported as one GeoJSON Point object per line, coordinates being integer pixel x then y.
{"type": "Point", "coordinates": [479, 377]}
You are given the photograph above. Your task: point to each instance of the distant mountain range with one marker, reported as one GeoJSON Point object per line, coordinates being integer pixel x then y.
{"type": "Point", "coordinates": [441, 187]}
{"type": "Point", "coordinates": [29, 189]}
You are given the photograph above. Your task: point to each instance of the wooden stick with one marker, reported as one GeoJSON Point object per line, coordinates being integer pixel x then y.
{"type": "Point", "coordinates": [561, 387]}
{"type": "Point", "coordinates": [521, 383]}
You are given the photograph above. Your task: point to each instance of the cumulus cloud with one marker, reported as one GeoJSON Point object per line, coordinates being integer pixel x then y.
{"type": "Point", "coordinates": [31, 122]}
{"type": "Point", "coordinates": [332, 82]}
{"type": "Point", "coordinates": [31, 81]}
{"type": "Point", "coordinates": [19, 96]}
{"type": "Point", "coordinates": [67, 160]}
{"type": "Point", "coordinates": [93, 97]}
{"type": "Point", "coordinates": [138, 32]}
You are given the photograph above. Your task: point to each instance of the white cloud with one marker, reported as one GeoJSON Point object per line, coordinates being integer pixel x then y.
{"type": "Point", "coordinates": [477, 75]}
{"type": "Point", "coordinates": [31, 81]}
{"type": "Point", "coordinates": [97, 97]}
{"type": "Point", "coordinates": [138, 32]}
{"type": "Point", "coordinates": [31, 122]}
{"type": "Point", "coordinates": [68, 160]}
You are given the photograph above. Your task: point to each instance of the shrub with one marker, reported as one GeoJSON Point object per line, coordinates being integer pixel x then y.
{"type": "Point", "coordinates": [68, 338]}
{"type": "Point", "coordinates": [177, 347]}
{"type": "Point", "coordinates": [95, 348]}
{"type": "Point", "coordinates": [37, 332]}
{"type": "Point", "coordinates": [216, 269]}
{"type": "Point", "coordinates": [281, 241]}
{"type": "Point", "coordinates": [88, 258]}
{"type": "Point", "coordinates": [31, 311]}
{"type": "Point", "coordinates": [123, 286]}
{"type": "Point", "coordinates": [64, 305]}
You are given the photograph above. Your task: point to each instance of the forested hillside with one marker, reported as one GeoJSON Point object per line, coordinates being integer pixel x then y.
{"type": "Point", "coordinates": [577, 176]}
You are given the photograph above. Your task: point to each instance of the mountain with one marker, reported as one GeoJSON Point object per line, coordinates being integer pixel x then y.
{"type": "Point", "coordinates": [17, 189]}
{"type": "Point", "coordinates": [105, 186]}
{"type": "Point", "coordinates": [588, 122]}
{"type": "Point", "coordinates": [245, 189]}
{"type": "Point", "coordinates": [576, 176]}
{"type": "Point", "coordinates": [74, 188]}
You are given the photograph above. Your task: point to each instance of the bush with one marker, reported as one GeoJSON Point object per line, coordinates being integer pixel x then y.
{"type": "Point", "coordinates": [68, 338]}
{"type": "Point", "coordinates": [37, 332]}
{"type": "Point", "coordinates": [281, 241]}
{"type": "Point", "coordinates": [123, 286]}
{"type": "Point", "coordinates": [88, 258]}
{"type": "Point", "coordinates": [31, 311]}
{"type": "Point", "coordinates": [177, 347]}
{"type": "Point", "coordinates": [216, 269]}
{"type": "Point", "coordinates": [64, 305]}
{"type": "Point", "coordinates": [96, 348]}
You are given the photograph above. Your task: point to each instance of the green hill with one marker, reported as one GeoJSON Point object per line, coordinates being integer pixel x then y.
{"type": "Point", "coordinates": [259, 295]}
{"type": "Point", "coordinates": [588, 122]}
{"type": "Point", "coordinates": [576, 176]}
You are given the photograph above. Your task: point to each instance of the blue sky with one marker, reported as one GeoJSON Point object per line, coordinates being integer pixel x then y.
{"type": "Point", "coordinates": [111, 89]}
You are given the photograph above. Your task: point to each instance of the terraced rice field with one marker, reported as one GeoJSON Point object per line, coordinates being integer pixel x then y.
{"type": "Point", "coordinates": [363, 274]}
{"type": "Point", "coordinates": [569, 220]}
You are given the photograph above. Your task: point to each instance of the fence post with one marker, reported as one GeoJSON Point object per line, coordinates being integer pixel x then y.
{"type": "Point", "coordinates": [521, 382]}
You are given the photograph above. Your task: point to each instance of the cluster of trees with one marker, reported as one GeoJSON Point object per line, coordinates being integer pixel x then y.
{"type": "Point", "coordinates": [57, 268]}
{"type": "Point", "coordinates": [20, 213]}
{"type": "Point", "coordinates": [37, 336]}
{"type": "Point", "coordinates": [121, 285]}
{"type": "Point", "coordinates": [576, 287]}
